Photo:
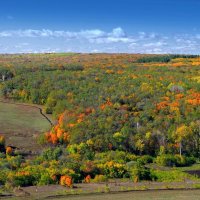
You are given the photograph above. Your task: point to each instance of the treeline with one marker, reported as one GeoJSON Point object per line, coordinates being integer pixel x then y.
{"type": "Point", "coordinates": [163, 58]}
{"type": "Point", "coordinates": [77, 164]}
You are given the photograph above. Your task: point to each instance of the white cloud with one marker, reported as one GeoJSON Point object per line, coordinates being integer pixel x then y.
{"type": "Point", "coordinates": [142, 35]}
{"type": "Point", "coordinates": [95, 35]}
{"type": "Point", "coordinates": [118, 32]}
{"type": "Point", "coordinates": [108, 40]}
{"type": "Point", "coordinates": [5, 34]}
{"type": "Point", "coordinates": [96, 40]}
{"type": "Point", "coordinates": [95, 51]}
{"type": "Point", "coordinates": [91, 34]}
{"type": "Point", "coordinates": [49, 33]}
{"type": "Point", "coordinates": [155, 44]}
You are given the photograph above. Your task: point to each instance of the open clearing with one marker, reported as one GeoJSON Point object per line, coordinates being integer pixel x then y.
{"type": "Point", "coordinates": [21, 124]}
{"type": "Point", "coordinates": [146, 195]}
{"type": "Point", "coordinates": [121, 190]}
{"type": "Point", "coordinates": [136, 195]}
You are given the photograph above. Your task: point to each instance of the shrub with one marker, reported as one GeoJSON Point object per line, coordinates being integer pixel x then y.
{"type": "Point", "coordinates": [9, 150]}
{"type": "Point", "coordinates": [22, 178]}
{"type": "Point", "coordinates": [182, 161]}
{"type": "Point", "coordinates": [2, 155]}
{"type": "Point", "coordinates": [45, 179]}
{"type": "Point", "coordinates": [174, 160]}
{"type": "Point", "coordinates": [48, 110]}
{"type": "Point", "coordinates": [15, 161]}
{"type": "Point", "coordinates": [190, 160]}
{"type": "Point", "coordinates": [3, 176]}
{"type": "Point", "coordinates": [117, 156]}
{"type": "Point", "coordinates": [66, 181]}
{"type": "Point", "coordinates": [139, 172]}
{"type": "Point", "coordinates": [41, 139]}
{"type": "Point", "coordinates": [168, 176]}
{"type": "Point", "coordinates": [87, 179]}
{"type": "Point", "coordinates": [99, 178]}
{"type": "Point", "coordinates": [166, 160]}
{"type": "Point", "coordinates": [89, 167]}
{"type": "Point", "coordinates": [113, 170]}
{"type": "Point", "coordinates": [52, 154]}
{"type": "Point", "coordinates": [145, 159]}
{"type": "Point", "coordinates": [74, 67]}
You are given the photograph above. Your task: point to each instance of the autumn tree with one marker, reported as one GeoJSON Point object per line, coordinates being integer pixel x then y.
{"type": "Point", "coordinates": [181, 133]}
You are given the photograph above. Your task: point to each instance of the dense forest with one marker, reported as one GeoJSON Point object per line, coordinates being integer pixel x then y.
{"type": "Point", "coordinates": [115, 113]}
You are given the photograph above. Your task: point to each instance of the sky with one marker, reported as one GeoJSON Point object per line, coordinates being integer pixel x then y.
{"type": "Point", "coordinates": [95, 26]}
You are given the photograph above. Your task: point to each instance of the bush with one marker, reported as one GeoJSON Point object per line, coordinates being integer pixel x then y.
{"type": "Point", "coordinates": [113, 170]}
{"type": "Point", "coordinates": [117, 156]}
{"type": "Point", "coordinates": [174, 160]}
{"type": "Point", "coordinates": [89, 167]}
{"type": "Point", "coordinates": [45, 179]}
{"type": "Point", "coordinates": [182, 161]}
{"type": "Point", "coordinates": [52, 154]}
{"type": "Point", "coordinates": [145, 159]}
{"type": "Point", "coordinates": [190, 160]}
{"type": "Point", "coordinates": [22, 179]}
{"type": "Point", "coordinates": [3, 176]}
{"type": "Point", "coordinates": [66, 180]}
{"type": "Point", "coordinates": [48, 110]}
{"type": "Point", "coordinates": [168, 176]}
{"type": "Point", "coordinates": [2, 155]}
{"type": "Point", "coordinates": [15, 161]}
{"type": "Point", "coordinates": [140, 172]}
{"type": "Point", "coordinates": [166, 160]}
{"type": "Point", "coordinates": [99, 178]}
{"type": "Point", "coordinates": [42, 139]}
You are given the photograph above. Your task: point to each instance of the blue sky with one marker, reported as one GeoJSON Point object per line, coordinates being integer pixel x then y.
{"type": "Point", "coordinates": [132, 26]}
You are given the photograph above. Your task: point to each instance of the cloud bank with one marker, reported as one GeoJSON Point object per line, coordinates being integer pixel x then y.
{"type": "Point", "coordinates": [96, 40]}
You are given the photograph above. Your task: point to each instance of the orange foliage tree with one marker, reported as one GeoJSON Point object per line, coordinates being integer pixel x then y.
{"type": "Point", "coordinates": [66, 180]}
{"type": "Point", "coordinates": [9, 150]}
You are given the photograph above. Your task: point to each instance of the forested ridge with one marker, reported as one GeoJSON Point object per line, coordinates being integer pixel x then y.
{"type": "Point", "coordinates": [111, 109]}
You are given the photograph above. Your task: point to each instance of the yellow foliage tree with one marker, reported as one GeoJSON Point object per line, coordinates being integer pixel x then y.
{"type": "Point", "coordinates": [182, 132]}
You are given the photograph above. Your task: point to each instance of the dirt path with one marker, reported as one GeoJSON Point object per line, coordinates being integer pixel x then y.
{"type": "Point", "coordinates": [140, 195]}
{"type": "Point", "coordinates": [121, 191]}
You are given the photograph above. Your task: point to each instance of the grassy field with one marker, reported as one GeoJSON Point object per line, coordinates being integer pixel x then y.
{"type": "Point", "coordinates": [146, 195]}
{"type": "Point", "coordinates": [21, 124]}
{"type": "Point", "coordinates": [121, 191]}
{"type": "Point", "coordinates": [139, 195]}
